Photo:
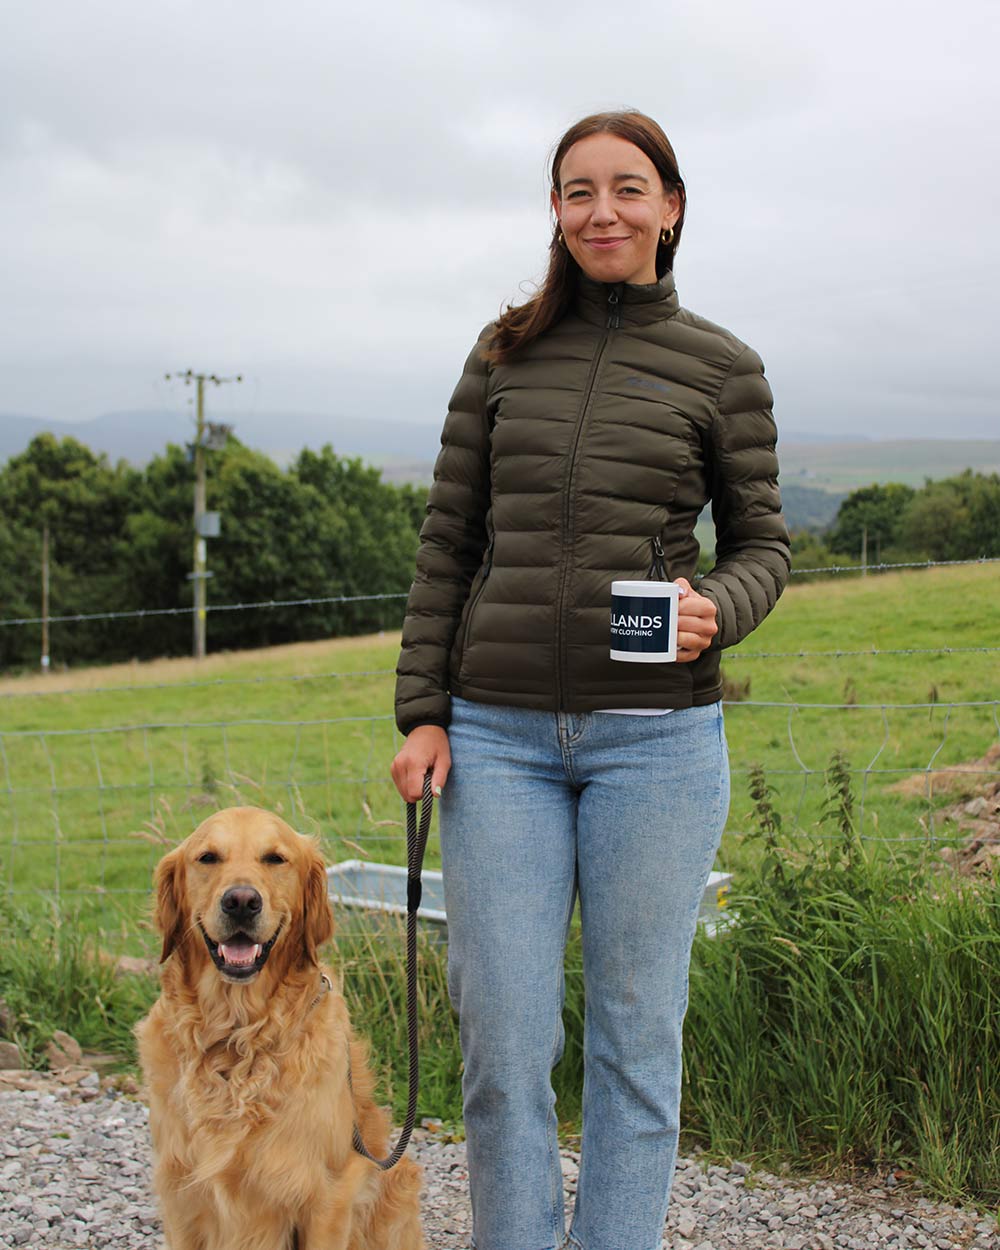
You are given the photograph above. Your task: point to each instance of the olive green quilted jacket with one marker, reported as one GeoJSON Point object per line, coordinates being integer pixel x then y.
{"type": "Point", "coordinates": [560, 472]}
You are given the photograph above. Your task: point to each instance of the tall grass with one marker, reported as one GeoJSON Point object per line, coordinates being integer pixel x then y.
{"type": "Point", "coordinates": [52, 977]}
{"type": "Point", "coordinates": [848, 1016]}
{"type": "Point", "coordinates": [851, 1013]}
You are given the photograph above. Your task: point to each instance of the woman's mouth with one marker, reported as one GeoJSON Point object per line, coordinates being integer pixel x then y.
{"type": "Point", "coordinates": [605, 245]}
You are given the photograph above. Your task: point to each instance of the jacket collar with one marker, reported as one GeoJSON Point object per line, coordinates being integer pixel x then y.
{"type": "Point", "coordinates": [637, 305]}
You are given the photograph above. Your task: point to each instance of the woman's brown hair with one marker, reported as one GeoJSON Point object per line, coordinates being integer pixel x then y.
{"type": "Point", "coordinates": [517, 327]}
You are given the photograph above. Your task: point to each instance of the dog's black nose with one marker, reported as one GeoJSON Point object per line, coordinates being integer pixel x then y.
{"type": "Point", "coordinates": [241, 900]}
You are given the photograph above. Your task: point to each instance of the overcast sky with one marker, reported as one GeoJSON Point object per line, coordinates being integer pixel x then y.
{"type": "Point", "coordinates": [333, 200]}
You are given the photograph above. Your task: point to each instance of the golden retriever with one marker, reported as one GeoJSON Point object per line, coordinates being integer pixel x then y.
{"type": "Point", "coordinates": [246, 1053]}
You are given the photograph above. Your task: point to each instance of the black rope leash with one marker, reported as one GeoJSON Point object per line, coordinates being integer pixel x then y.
{"type": "Point", "coordinates": [416, 842]}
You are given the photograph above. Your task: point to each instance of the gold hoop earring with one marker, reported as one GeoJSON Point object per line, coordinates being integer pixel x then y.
{"type": "Point", "coordinates": [667, 237]}
{"type": "Point", "coordinates": [560, 241]}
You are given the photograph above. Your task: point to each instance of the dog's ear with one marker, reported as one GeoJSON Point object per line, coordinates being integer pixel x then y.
{"type": "Point", "coordinates": [170, 915]}
{"type": "Point", "coordinates": [317, 920]}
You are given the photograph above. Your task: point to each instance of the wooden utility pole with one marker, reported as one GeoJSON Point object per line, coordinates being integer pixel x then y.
{"type": "Point", "coordinates": [200, 550]}
{"type": "Point", "coordinates": [45, 597]}
{"type": "Point", "coordinates": [200, 574]}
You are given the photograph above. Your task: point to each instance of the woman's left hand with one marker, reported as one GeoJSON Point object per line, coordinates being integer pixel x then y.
{"type": "Point", "coordinates": [696, 625]}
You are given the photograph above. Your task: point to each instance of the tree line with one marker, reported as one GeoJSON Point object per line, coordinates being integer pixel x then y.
{"type": "Point", "coordinates": [953, 518]}
{"type": "Point", "coordinates": [120, 539]}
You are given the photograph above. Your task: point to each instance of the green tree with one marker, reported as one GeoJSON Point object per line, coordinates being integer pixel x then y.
{"type": "Point", "coordinates": [277, 542]}
{"type": "Point", "coordinates": [879, 510]}
{"type": "Point", "coordinates": [957, 518]}
{"type": "Point", "coordinates": [121, 540]}
{"type": "Point", "coordinates": [83, 500]}
{"type": "Point", "coordinates": [375, 552]}
{"type": "Point", "coordinates": [20, 591]}
{"type": "Point", "coordinates": [158, 541]}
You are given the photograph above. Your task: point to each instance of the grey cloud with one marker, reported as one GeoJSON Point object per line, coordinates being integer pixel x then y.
{"type": "Point", "coordinates": [312, 193]}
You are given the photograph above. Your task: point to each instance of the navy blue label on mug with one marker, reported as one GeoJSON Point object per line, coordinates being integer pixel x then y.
{"type": "Point", "coordinates": [640, 624]}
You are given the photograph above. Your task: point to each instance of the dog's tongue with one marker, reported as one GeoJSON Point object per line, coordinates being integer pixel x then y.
{"type": "Point", "coordinates": [239, 951]}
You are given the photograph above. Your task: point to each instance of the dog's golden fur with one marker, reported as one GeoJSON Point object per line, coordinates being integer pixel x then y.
{"type": "Point", "coordinates": [247, 1067]}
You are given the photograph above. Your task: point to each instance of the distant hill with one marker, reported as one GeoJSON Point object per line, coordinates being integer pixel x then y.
{"type": "Point", "coordinates": [806, 508]}
{"type": "Point", "coordinates": [821, 466]}
{"type": "Point", "coordinates": [846, 466]}
{"type": "Point", "coordinates": [138, 436]}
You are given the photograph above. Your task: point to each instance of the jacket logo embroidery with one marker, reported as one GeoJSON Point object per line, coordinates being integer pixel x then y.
{"type": "Point", "coordinates": [647, 384]}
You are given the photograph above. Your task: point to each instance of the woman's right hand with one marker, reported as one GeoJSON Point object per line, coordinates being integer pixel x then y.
{"type": "Point", "coordinates": [425, 747]}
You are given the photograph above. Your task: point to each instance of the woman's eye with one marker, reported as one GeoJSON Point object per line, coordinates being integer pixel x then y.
{"type": "Point", "coordinates": [272, 857]}
{"type": "Point", "coordinates": [208, 857]}
{"type": "Point", "coordinates": [577, 195]}
{"type": "Point", "coordinates": [631, 190]}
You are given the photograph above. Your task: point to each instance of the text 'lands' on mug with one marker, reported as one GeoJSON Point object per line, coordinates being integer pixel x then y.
{"type": "Point", "coordinates": [644, 621]}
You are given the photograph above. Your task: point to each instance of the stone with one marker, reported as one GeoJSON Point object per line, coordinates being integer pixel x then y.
{"type": "Point", "coordinates": [82, 1179]}
{"type": "Point", "coordinates": [686, 1224]}
{"type": "Point", "coordinates": [63, 1051]}
{"type": "Point", "coordinates": [10, 1057]}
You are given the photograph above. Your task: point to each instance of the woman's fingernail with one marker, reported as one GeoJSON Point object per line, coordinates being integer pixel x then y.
{"type": "Point", "coordinates": [437, 791]}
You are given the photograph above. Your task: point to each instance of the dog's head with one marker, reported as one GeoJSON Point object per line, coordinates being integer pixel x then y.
{"type": "Point", "coordinates": [242, 886]}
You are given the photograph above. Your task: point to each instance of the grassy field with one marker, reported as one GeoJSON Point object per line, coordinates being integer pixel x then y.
{"type": "Point", "coordinates": [100, 769]}
{"type": "Point", "coordinates": [847, 1019]}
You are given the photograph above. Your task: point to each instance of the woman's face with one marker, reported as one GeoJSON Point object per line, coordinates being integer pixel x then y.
{"type": "Point", "coordinates": [612, 208]}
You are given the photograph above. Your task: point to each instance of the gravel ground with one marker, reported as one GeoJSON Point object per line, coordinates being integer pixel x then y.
{"type": "Point", "coordinates": [75, 1172]}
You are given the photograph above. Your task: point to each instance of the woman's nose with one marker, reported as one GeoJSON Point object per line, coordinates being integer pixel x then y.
{"type": "Point", "coordinates": [603, 211]}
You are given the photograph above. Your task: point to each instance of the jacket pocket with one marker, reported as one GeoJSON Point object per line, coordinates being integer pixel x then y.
{"type": "Point", "coordinates": [473, 605]}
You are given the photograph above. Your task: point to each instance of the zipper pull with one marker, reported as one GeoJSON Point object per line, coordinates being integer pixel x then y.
{"type": "Point", "coordinates": [614, 311]}
{"type": "Point", "coordinates": [658, 566]}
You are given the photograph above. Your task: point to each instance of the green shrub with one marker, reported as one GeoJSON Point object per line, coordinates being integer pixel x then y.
{"type": "Point", "coordinates": [850, 1013]}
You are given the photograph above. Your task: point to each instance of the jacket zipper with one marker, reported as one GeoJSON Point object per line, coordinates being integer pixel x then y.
{"type": "Point", "coordinates": [658, 564]}
{"type": "Point", "coordinates": [612, 323]}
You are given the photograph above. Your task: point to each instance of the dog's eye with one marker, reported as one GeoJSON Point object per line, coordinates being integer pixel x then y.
{"type": "Point", "coordinates": [208, 857]}
{"type": "Point", "coordinates": [272, 857]}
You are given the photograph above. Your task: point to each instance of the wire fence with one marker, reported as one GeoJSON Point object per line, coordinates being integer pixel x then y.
{"type": "Point", "coordinates": [333, 600]}
{"type": "Point", "coordinates": [97, 781]}
{"type": "Point", "coordinates": [86, 812]}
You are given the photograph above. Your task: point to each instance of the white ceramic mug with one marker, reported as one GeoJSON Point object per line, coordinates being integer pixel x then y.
{"type": "Point", "coordinates": [644, 621]}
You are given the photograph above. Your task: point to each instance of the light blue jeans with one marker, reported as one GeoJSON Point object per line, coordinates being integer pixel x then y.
{"type": "Point", "coordinates": [625, 812]}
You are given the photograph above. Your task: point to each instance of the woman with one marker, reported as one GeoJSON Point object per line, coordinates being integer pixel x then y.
{"type": "Point", "coordinates": [589, 428]}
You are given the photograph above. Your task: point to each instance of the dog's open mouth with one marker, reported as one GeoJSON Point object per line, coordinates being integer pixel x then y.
{"type": "Point", "coordinates": [240, 957]}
